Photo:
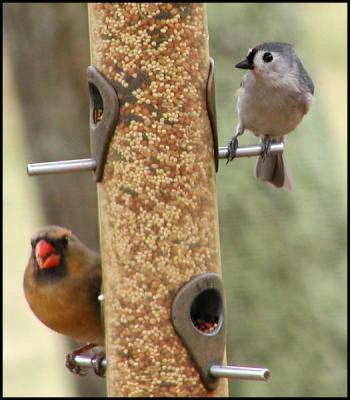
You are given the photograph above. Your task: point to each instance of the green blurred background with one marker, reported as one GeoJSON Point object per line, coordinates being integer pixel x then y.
{"type": "Point", "coordinates": [283, 254]}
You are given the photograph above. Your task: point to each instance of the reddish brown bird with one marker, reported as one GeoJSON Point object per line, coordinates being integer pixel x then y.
{"type": "Point", "coordinates": [62, 283]}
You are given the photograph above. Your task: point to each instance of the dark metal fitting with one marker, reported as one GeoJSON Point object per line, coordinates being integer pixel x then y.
{"type": "Point", "coordinates": [211, 107]}
{"type": "Point", "coordinates": [198, 316]}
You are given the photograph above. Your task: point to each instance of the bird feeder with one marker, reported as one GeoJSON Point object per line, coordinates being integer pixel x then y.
{"type": "Point", "coordinates": [155, 155]}
{"type": "Point", "coordinates": [157, 200]}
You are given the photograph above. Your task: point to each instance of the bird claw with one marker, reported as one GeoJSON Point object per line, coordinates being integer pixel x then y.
{"type": "Point", "coordinates": [96, 362]}
{"type": "Point", "coordinates": [72, 366]}
{"type": "Point", "coordinates": [266, 148]}
{"type": "Point", "coordinates": [231, 149]}
{"type": "Point", "coordinates": [70, 359]}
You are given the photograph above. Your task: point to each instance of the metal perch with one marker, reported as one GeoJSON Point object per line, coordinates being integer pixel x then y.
{"type": "Point", "coordinates": [89, 164]}
{"type": "Point", "coordinates": [219, 371]}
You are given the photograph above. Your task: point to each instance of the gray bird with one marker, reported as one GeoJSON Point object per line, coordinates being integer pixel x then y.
{"type": "Point", "coordinates": [275, 94]}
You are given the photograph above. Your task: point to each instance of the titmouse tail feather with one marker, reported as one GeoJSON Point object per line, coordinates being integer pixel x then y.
{"type": "Point", "coordinates": [273, 169]}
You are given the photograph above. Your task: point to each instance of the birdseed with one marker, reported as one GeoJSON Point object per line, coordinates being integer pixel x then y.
{"type": "Point", "coordinates": [158, 211]}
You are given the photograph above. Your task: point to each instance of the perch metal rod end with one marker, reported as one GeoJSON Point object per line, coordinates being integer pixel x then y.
{"type": "Point", "coordinates": [87, 361]}
{"type": "Point", "coordinates": [58, 167]}
{"type": "Point", "coordinates": [252, 150]}
{"type": "Point", "coordinates": [234, 372]}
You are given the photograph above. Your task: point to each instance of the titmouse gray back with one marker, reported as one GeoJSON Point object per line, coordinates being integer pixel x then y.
{"type": "Point", "coordinates": [275, 94]}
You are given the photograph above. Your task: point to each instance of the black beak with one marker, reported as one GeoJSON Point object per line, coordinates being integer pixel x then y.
{"type": "Point", "coordinates": [245, 64]}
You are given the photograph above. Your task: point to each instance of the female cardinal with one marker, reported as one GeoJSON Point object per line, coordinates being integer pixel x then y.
{"type": "Point", "coordinates": [62, 282]}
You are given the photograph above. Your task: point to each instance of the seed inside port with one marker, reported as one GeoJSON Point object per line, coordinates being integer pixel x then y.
{"type": "Point", "coordinates": [206, 311]}
{"type": "Point", "coordinates": [96, 104]}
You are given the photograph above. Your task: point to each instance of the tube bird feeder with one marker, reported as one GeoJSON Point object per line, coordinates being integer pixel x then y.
{"type": "Point", "coordinates": [157, 197]}
{"type": "Point", "coordinates": [154, 154]}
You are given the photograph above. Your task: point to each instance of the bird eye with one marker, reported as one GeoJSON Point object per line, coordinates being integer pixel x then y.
{"type": "Point", "coordinates": [267, 57]}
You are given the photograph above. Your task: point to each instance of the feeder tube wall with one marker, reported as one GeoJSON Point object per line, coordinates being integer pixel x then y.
{"type": "Point", "coordinates": [157, 199]}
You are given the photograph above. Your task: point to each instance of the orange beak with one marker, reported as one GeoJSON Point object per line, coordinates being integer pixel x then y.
{"type": "Point", "coordinates": [46, 255]}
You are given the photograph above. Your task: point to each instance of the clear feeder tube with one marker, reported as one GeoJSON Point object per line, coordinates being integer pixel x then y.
{"type": "Point", "coordinates": [157, 200]}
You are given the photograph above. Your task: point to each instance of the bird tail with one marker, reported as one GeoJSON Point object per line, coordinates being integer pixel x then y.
{"type": "Point", "coordinates": [273, 169]}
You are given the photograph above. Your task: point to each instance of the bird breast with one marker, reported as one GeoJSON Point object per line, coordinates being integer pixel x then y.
{"type": "Point", "coordinates": [66, 309]}
{"type": "Point", "coordinates": [268, 110]}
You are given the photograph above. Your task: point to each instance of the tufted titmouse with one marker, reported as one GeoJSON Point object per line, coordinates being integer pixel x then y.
{"type": "Point", "coordinates": [275, 94]}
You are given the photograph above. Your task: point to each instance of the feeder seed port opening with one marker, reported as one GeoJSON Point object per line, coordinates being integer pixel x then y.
{"type": "Point", "coordinates": [206, 312]}
{"type": "Point", "coordinates": [96, 105]}
{"type": "Point", "coordinates": [198, 317]}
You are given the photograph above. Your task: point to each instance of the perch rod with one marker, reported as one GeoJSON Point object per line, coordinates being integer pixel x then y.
{"type": "Point", "coordinates": [219, 371]}
{"type": "Point", "coordinates": [89, 164]}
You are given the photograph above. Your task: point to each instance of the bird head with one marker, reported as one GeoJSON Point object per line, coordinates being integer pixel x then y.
{"type": "Point", "coordinates": [48, 246]}
{"type": "Point", "coordinates": [273, 62]}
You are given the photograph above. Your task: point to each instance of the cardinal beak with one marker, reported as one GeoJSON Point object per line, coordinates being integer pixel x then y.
{"type": "Point", "coordinates": [46, 255]}
{"type": "Point", "coordinates": [245, 64]}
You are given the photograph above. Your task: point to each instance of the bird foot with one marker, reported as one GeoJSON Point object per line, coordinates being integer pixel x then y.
{"type": "Point", "coordinates": [231, 148]}
{"type": "Point", "coordinates": [72, 366]}
{"type": "Point", "coordinates": [266, 148]}
{"type": "Point", "coordinates": [70, 359]}
{"type": "Point", "coordinates": [96, 361]}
